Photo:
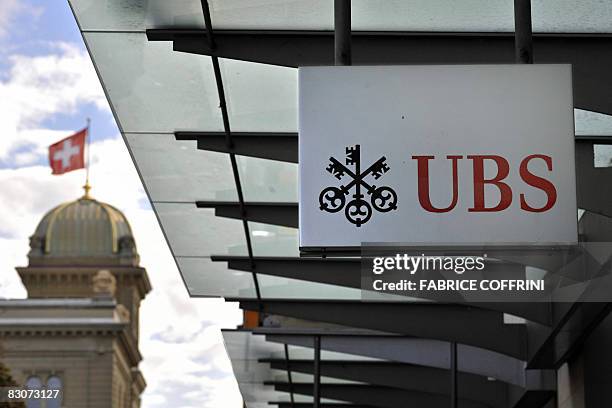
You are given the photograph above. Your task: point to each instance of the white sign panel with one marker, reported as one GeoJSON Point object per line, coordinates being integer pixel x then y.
{"type": "Point", "coordinates": [436, 154]}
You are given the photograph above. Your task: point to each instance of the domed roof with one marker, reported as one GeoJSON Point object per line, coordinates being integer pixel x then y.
{"type": "Point", "coordinates": [93, 231]}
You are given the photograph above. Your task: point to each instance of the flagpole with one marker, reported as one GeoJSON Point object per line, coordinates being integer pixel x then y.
{"type": "Point", "coordinates": [87, 187]}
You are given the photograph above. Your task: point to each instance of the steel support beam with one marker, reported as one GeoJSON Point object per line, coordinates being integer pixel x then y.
{"type": "Point", "coordinates": [552, 348]}
{"type": "Point", "coordinates": [335, 271]}
{"type": "Point", "coordinates": [588, 53]}
{"type": "Point", "coordinates": [342, 32]}
{"type": "Point", "coordinates": [467, 325]}
{"type": "Point", "coordinates": [346, 272]}
{"type": "Point", "coordinates": [323, 405]}
{"type": "Point", "coordinates": [523, 38]}
{"type": "Point", "coordinates": [493, 393]}
{"type": "Point", "coordinates": [573, 322]}
{"type": "Point", "coordinates": [454, 392]}
{"type": "Point", "coordinates": [283, 214]}
{"type": "Point", "coordinates": [404, 376]}
{"type": "Point", "coordinates": [227, 132]}
{"type": "Point", "coordinates": [273, 146]}
{"type": "Point", "coordinates": [383, 397]}
{"type": "Point", "coordinates": [541, 347]}
{"type": "Point", "coordinates": [316, 386]}
{"type": "Point", "coordinates": [427, 353]}
{"type": "Point", "coordinates": [289, 373]}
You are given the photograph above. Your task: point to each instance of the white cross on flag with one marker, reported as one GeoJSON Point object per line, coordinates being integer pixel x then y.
{"type": "Point", "coordinates": [68, 154]}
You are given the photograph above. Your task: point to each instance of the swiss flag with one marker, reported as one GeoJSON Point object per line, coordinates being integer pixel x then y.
{"type": "Point", "coordinates": [68, 154]}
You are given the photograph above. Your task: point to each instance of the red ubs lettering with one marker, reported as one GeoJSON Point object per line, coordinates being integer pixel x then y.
{"type": "Point", "coordinates": [505, 190]}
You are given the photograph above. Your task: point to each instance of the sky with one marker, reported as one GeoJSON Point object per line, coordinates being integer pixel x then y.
{"type": "Point", "coordinates": [48, 87]}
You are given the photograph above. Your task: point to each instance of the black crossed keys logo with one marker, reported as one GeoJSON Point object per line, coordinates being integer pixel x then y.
{"type": "Point", "coordinates": [358, 211]}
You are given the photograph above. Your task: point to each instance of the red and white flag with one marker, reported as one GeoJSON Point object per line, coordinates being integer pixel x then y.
{"type": "Point", "coordinates": [68, 154]}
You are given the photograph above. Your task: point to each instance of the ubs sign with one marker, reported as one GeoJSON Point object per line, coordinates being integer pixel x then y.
{"type": "Point", "coordinates": [436, 154]}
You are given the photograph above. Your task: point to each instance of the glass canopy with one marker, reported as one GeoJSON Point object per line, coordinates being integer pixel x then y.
{"type": "Point", "coordinates": [155, 91]}
{"type": "Point", "coordinates": [397, 15]}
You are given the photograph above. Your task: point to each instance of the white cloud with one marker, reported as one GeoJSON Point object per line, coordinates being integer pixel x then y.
{"type": "Point", "coordinates": [180, 338]}
{"type": "Point", "coordinates": [40, 87]}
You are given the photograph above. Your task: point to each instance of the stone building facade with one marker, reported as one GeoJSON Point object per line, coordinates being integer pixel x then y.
{"type": "Point", "coordinates": [78, 329]}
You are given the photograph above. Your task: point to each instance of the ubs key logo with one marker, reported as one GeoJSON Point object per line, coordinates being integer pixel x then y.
{"type": "Point", "coordinates": [358, 211]}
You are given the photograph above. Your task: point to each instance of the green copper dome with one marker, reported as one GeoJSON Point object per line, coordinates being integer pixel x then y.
{"type": "Point", "coordinates": [84, 231]}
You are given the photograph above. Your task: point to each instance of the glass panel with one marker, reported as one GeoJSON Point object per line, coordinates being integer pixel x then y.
{"type": "Point", "coordinates": [268, 180]}
{"type": "Point", "coordinates": [273, 14]}
{"type": "Point", "coordinates": [402, 15]}
{"type": "Point", "coordinates": [243, 345]}
{"type": "Point", "coordinates": [275, 287]}
{"type": "Point", "coordinates": [212, 279]}
{"type": "Point", "coordinates": [152, 88]}
{"type": "Point", "coordinates": [413, 15]}
{"type": "Point", "coordinates": [256, 393]}
{"type": "Point", "coordinates": [176, 170]}
{"type": "Point", "coordinates": [245, 350]}
{"type": "Point", "coordinates": [569, 16]}
{"type": "Point", "coordinates": [137, 14]}
{"type": "Point", "coordinates": [309, 378]}
{"type": "Point", "coordinates": [206, 278]}
{"type": "Point", "coordinates": [602, 155]}
{"type": "Point", "coordinates": [433, 15]}
{"type": "Point", "coordinates": [260, 97]}
{"type": "Point", "coordinates": [252, 371]}
{"type": "Point", "coordinates": [479, 15]}
{"type": "Point", "coordinates": [270, 240]}
{"type": "Point", "coordinates": [193, 231]}
{"type": "Point", "coordinates": [592, 123]}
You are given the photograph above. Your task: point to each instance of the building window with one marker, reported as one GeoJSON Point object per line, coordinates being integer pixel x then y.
{"type": "Point", "coordinates": [33, 383]}
{"type": "Point", "coordinates": [55, 383]}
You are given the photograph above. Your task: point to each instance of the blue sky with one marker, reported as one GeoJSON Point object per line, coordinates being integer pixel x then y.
{"type": "Point", "coordinates": [35, 30]}
{"type": "Point", "coordinates": [48, 87]}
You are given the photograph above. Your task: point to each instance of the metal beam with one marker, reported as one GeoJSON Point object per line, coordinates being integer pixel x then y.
{"type": "Point", "coordinates": [573, 322]}
{"type": "Point", "coordinates": [346, 272]}
{"type": "Point", "coordinates": [283, 214]}
{"type": "Point", "coordinates": [454, 392]}
{"type": "Point", "coordinates": [264, 145]}
{"type": "Point", "coordinates": [289, 374]}
{"type": "Point", "coordinates": [541, 347]}
{"type": "Point", "coordinates": [478, 327]}
{"type": "Point", "coordinates": [575, 325]}
{"type": "Point", "coordinates": [342, 32]}
{"type": "Point", "coordinates": [316, 386]}
{"type": "Point", "coordinates": [428, 353]}
{"type": "Point", "coordinates": [343, 272]}
{"type": "Point", "coordinates": [383, 397]}
{"type": "Point", "coordinates": [588, 53]}
{"type": "Point", "coordinates": [391, 397]}
{"type": "Point", "coordinates": [310, 405]}
{"type": "Point", "coordinates": [210, 42]}
{"type": "Point", "coordinates": [523, 38]}
{"type": "Point", "coordinates": [403, 376]}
